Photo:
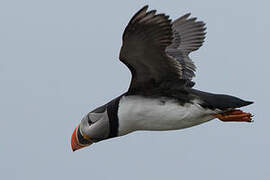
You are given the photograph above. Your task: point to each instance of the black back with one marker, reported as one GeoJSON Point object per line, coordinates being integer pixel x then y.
{"type": "Point", "coordinates": [219, 101]}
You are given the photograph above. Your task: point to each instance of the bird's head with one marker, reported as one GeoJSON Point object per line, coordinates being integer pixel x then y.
{"type": "Point", "coordinates": [93, 127]}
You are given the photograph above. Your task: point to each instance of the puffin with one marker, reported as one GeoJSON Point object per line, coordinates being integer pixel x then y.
{"type": "Point", "coordinates": [160, 96]}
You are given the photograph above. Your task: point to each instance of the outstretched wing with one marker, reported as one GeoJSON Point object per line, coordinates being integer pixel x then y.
{"type": "Point", "coordinates": [145, 39]}
{"type": "Point", "coordinates": [156, 50]}
{"type": "Point", "coordinates": [188, 36]}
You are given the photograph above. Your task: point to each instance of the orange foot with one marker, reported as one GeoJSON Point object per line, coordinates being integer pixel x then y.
{"type": "Point", "coordinates": [235, 115]}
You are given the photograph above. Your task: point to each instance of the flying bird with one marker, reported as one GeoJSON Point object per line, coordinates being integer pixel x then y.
{"type": "Point", "coordinates": [161, 95]}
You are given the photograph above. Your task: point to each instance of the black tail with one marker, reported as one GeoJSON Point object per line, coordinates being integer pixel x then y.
{"type": "Point", "coordinates": [219, 101]}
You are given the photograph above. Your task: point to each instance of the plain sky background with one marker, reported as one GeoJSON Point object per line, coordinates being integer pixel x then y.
{"type": "Point", "coordinates": [59, 60]}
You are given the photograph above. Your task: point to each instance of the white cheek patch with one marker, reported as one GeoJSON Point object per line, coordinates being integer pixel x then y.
{"type": "Point", "coordinates": [98, 129]}
{"type": "Point", "coordinates": [94, 117]}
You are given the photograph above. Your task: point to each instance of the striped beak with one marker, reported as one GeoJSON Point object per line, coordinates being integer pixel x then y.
{"type": "Point", "coordinates": [78, 141]}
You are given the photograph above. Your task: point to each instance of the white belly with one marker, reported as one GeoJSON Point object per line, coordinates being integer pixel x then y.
{"type": "Point", "coordinates": [140, 113]}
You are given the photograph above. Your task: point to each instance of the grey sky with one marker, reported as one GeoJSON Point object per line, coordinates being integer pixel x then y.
{"type": "Point", "coordinates": [59, 60]}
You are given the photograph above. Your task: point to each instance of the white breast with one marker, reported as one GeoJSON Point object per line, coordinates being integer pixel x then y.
{"type": "Point", "coordinates": [140, 113]}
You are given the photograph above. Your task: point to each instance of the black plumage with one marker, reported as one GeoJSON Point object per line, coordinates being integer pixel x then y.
{"type": "Point", "coordinates": [156, 50]}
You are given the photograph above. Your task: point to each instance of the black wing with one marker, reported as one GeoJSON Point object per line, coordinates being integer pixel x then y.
{"type": "Point", "coordinates": [188, 36]}
{"type": "Point", "coordinates": [156, 50]}
{"type": "Point", "coordinates": [143, 50]}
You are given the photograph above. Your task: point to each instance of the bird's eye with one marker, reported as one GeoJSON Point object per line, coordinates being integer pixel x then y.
{"type": "Point", "coordinates": [89, 120]}
{"type": "Point", "coordinates": [94, 117]}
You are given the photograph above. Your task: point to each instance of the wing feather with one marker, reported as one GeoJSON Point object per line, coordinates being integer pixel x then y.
{"type": "Point", "coordinates": [188, 36]}
{"type": "Point", "coordinates": [157, 50]}
{"type": "Point", "coordinates": [143, 50]}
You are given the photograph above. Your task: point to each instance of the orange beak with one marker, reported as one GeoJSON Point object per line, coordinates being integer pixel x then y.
{"type": "Point", "coordinates": [75, 144]}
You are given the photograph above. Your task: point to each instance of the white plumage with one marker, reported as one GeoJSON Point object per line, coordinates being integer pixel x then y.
{"type": "Point", "coordinates": [141, 113]}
